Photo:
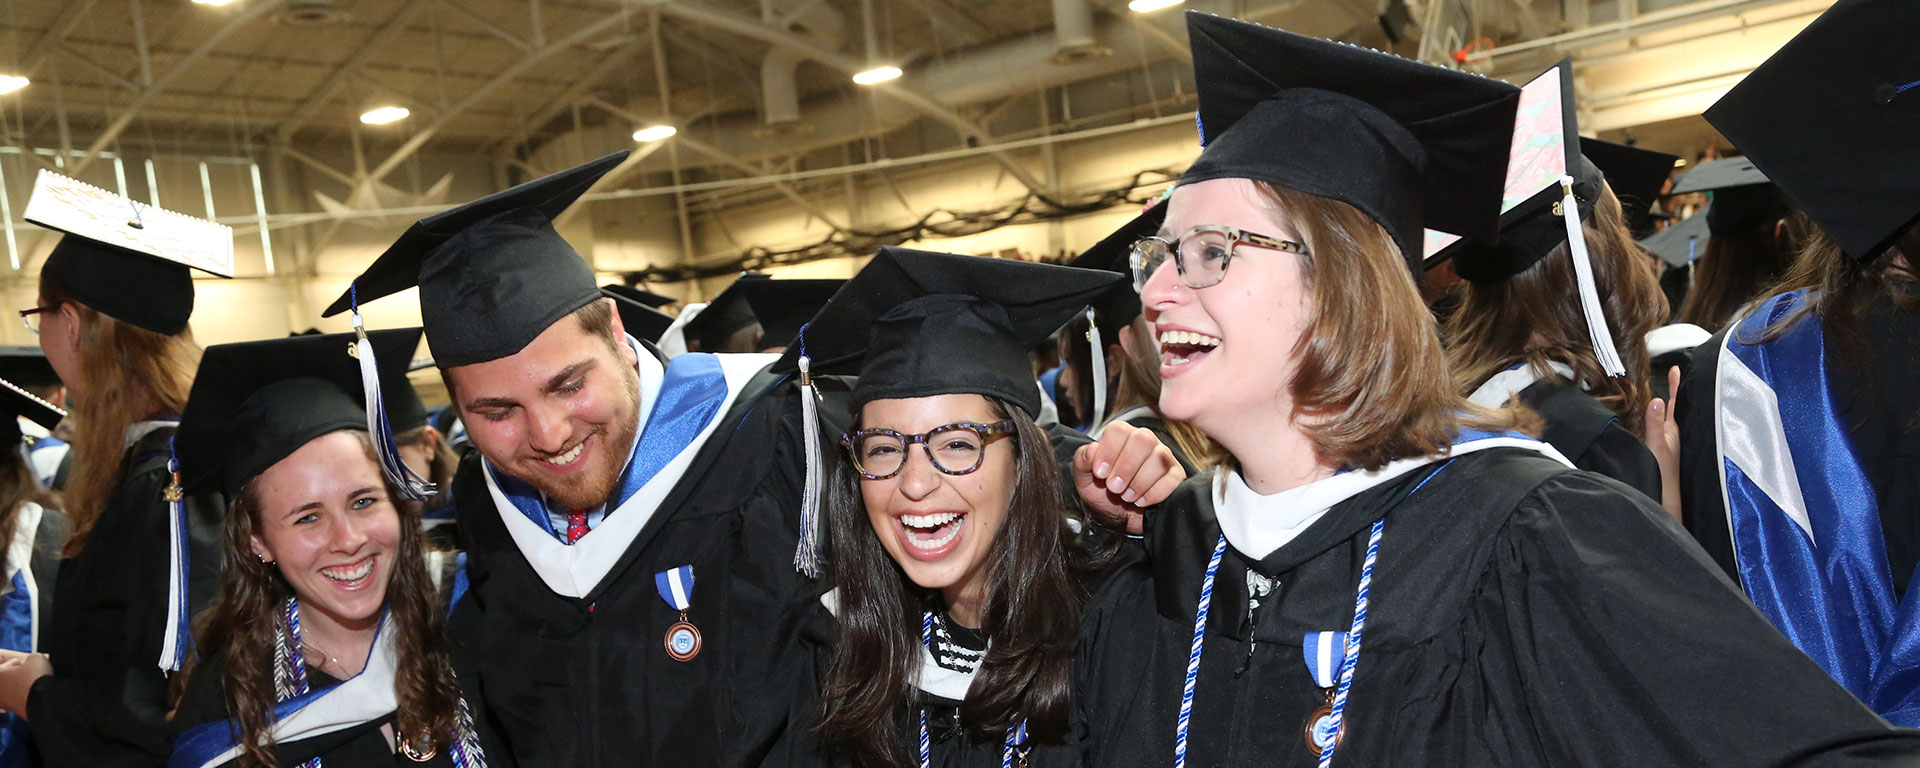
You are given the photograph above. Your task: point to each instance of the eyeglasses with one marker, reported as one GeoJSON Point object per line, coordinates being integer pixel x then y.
{"type": "Point", "coordinates": [1201, 255]}
{"type": "Point", "coordinates": [28, 319]}
{"type": "Point", "coordinates": [955, 449]}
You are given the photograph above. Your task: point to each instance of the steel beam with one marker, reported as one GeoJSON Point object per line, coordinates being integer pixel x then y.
{"type": "Point", "coordinates": [376, 43]}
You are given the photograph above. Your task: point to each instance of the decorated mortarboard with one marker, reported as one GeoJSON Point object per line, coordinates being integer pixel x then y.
{"type": "Point", "coordinates": [126, 259]}
{"type": "Point", "coordinates": [919, 324]}
{"type": "Point", "coordinates": [21, 404]}
{"type": "Point", "coordinates": [26, 365]}
{"type": "Point", "coordinates": [1550, 189]}
{"type": "Point", "coordinates": [1118, 306]}
{"type": "Point", "coordinates": [782, 306]}
{"type": "Point", "coordinates": [1832, 117]}
{"type": "Point", "coordinates": [1636, 176]}
{"type": "Point", "coordinates": [1682, 242]}
{"type": "Point", "coordinates": [642, 321]}
{"type": "Point", "coordinates": [1408, 144]}
{"type": "Point", "coordinates": [1743, 196]}
{"type": "Point", "coordinates": [493, 274]}
{"type": "Point", "coordinates": [725, 315]}
{"type": "Point", "coordinates": [638, 296]}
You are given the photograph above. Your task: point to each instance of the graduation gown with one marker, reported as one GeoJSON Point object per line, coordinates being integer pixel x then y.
{"type": "Point", "coordinates": [106, 702]}
{"type": "Point", "coordinates": [1586, 432]}
{"type": "Point", "coordinates": [588, 681]}
{"type": "Point", "coordinates": [23, 606]}
{"type": "Point", "coordinates": [1520, 614]}
{"type": "Point", "coordinates": [364, 745]}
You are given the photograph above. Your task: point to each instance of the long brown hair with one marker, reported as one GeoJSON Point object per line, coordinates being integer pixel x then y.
{"type": "Point", "coordinates": [248, 608]}
{"type": "Point", "coordinates": [1031, 616]}
{"type": "Point", "coordinates": [1138, 382]}
{"type": "Point", "coordinates": [1535, 318]}
{"type": "Point", "coordinates": [1740, 265]}
{"type": "Point", "coordinates": [1370, 381]}
{"type": "Point", "coordinates": [127, 374]}
{"type": "Point", "coordinates": [17, 487]}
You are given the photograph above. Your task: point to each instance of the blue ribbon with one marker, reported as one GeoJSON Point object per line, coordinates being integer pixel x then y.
{"type": "Point", "coordinates": [676, 586]}
{"type": "Point", "coordinates": [1831, 594]}
{"type": "Point", "coordinates": [1324, 652]}
{"type": "Point", "coordinates": [690, 396]}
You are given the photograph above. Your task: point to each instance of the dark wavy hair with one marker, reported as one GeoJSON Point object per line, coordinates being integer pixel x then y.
{"type": "Point", "coordinates": [1738, 266]}
{"type": "Point", "coordinates": [248, 607]}
{"type": "Point", "coordinates": [1031, 616]}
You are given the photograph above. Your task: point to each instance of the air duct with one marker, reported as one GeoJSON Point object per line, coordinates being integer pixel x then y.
{"type": "Point", "coordinates": [779, 91]}
{"type": "Point", "coordinates": [1074, 42]}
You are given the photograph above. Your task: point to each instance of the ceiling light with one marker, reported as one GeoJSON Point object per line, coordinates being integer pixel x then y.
{"type": "Point", "coordinates": [1149, 6]}
{"type": "Point", "coordinates": [11, 83]}
{"type": "Point", "coordinates": [876, 75]}
{"type": "Point", "coordinates": [384, 115]}
{"type": "Point", "coordinates": [654, 133]}
{"type": "Point", "coordinates": [1679, 162]}
{"type": "Point", "coordinates": [211, 2]}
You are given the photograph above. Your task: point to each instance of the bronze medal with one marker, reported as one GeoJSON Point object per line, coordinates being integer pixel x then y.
{"type": "Point", "coordinates": [683, 639]}
{"type": "Point", "coordinates": [1319, 728]}
{"type": "Point", "coordinates": [415, 753]}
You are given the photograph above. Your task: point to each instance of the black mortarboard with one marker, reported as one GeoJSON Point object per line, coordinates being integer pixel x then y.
{"type": "Point", "coordinates": [643, 322]}
{"type": "Point", "coordinates": [1408, 144]}
{"type": "Point", "coordinates": [725, 315]}
{"type": "Point", "coordinates": [256, 402]}
{"type": "Point", "coordinates": [1743, 197]}
{"type": "Point", "coordinates": [493, 274]}
{"type": "Point", "coordinates": [782, 306]}
{"type": "Point", "coordinates": [1682, 242]}
{"type": "Point", "coordinates": [924, 323]}
{"type": "Point", "coordinates": [642, 297]}
{"type": "Point", "coordinates": [27, 366]}
{"type": "Point", "coordinates": [1118, 307]}
{"type": "Point", "coordinates": [1831, 119]}
{"type": "Point", "coordinates": [1545, 146]}
{"type": "Point", "coordinates": [127, 260]}
{"type": "Point", "coordinates": [18, 404]}
{"type": "Point", "coordinates": [1636, 176]}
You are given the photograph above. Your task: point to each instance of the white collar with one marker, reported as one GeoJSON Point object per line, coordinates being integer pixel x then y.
{"type": "Point", "coordinates": [1257, 524]}
{"type": "Point", "coordinates": [140, 429]}
{"type": "Point", "coordinates": [949, 684]}
{"type": "Point", "coordinates": [1502, 386]}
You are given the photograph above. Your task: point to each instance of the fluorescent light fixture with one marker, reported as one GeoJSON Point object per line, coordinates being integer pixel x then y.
{"type": "Point", "coordinates": [1149, 6]}
{"type": "Point", "coordinates": [653, 133]}
{"type": "Point", "coordinates": [384, 115]}
{"type": "Point", "coordinates": [211, 2]}
{"type": "Point", "coordinates": [11, 83]}
{"type": "Point", "coordinates": [876, 75]}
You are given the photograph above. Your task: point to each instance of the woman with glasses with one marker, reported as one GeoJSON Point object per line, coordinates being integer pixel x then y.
{"type": "Point", "coordinates": [1382, 573]}
{"type": "Point", "coordinates": [959, 565]}
{"type": "Point", "coordinates": [114, 299]}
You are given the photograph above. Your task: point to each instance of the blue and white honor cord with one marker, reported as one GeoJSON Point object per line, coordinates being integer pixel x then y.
{"type": "Point", "coordinates": [1347, 663]}
{"type": "Point", "coordinates": [1016, 736]}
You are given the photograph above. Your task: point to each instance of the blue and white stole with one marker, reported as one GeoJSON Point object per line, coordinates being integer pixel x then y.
{"type": "Point", "coordinates": [1804, 521]}
{"type": "Point", "coordinates": [19, 620]}
{"type": "Point", "coordinates": [365, 697]}
{"type": "Point", "coordinates": [682, 406]}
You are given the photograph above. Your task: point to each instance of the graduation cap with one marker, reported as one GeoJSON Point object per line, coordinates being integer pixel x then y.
{"type": "Point", "coordinates": [638, 296]}
{"type": "Point", "coordinates": [1743, 196]}
{"type": "Point", "coordinates": [1678, 245]}
{"type": "Point", "coordinates": [1636, 176]}
{"type": "Point", "coordinates": [1550, 188]}
{"type": "Point", "coordinates": [26, 365]}
{"type": "Point", "coordinates": [1408, 144]}
{"type": "Point", "coordinates": [493, 274]}
{"type": "Point", "coordinates": [782, 306]}
{"type": "Point", "coordinates": [130, 261]}
{"type": "Point", "coordinates": [644, 322]}
{"type": "Point", "coordinates": [1118, 306]}
{"type": "Point", "coordinates": [1831, 119]}
{"type": "Point", "coordinates": [725, 315]}
{"type": "Point", "coordinates": [254, 403]}
{"type": "Point", "coordinates": [20, 404]}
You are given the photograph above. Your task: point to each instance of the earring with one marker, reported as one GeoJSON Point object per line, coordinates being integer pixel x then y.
{"type": "Point", "coordinates": [263, 558]}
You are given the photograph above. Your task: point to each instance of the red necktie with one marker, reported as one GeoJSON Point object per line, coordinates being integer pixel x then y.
{"type": "Point", "coordinates": [576, 524]}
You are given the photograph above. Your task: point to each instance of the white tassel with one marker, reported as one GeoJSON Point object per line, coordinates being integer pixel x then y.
{"type": "Point", "coordinates": [1099, 354]}
{"type": "Point", "coordinates": [173, 646]}
{"type": "Point", "coordinates": [1589, 293]}
{"type": "Point", "coordinates": [807, 558]}
{"type": "Point", "coordinates": [411, 484]}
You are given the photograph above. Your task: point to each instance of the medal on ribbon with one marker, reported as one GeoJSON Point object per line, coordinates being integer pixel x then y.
{"type": "Point", "coordinates": [1323, 652]}
{"type": "Point", "coordinates": [676, 587]}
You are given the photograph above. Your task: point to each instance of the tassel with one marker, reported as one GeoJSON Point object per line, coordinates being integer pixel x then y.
{"type": "Point", "coordinates": [1589, 293]}
{"type": "Point", "coordinates": [807, 558]}
{"type": "Point", "coordinates": [1099, 355]}
{"type": "Point", "coordinates": [411, 485]}
{"type": "Point", "coordinates": [173, 645]}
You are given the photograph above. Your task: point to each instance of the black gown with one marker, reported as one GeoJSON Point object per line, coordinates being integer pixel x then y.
{"type": "Point", "coordinates": [364, 744]}
{"type": "Point", "coordinates": [1520, 614]}
{"type": "Point", "coordinates": [1590, 436]}
{"type": "Point", "coordinates": [106, 702]}
{"type": "Point", "coordinates": [588, 682]}
{"type": "Point", "coordinates": [1882, 415]}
